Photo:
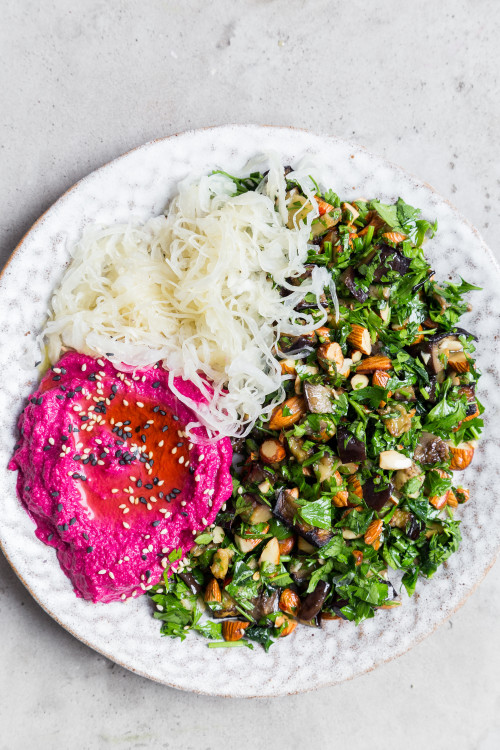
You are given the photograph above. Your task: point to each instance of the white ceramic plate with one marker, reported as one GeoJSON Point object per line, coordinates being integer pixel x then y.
{"type": "Point", "coordinates": [140, 184]}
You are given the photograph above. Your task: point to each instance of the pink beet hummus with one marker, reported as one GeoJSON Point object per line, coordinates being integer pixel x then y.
{"type": "Point", "coordinates": [110, 479]}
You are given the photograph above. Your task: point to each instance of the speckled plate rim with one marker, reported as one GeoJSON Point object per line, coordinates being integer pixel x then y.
{"type": "Point", "coordinates": [354, 148]}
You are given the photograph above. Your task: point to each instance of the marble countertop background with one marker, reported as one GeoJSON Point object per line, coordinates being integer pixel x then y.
{"type": "Point", "coordinates": [83, 82]}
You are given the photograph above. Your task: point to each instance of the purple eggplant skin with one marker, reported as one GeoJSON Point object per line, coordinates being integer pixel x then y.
{"type": "Point", "coordinates": [421, 283]}
{"type": "Point", "coordinates": [430, 449]}
{"type": "Point", "coordinates": [285, 510]}
{"type": "Point", "coordinates": [191, 582]}
{"type": "Point", "coordinates": [312, 604]}
{"type": "Point", "coordinates": [350, 449]}
{"type": "Point", "coordinates": [391, 260]}
{"type": "Point", "coordinates": [347, 278]}
{"type": "Point", "coordinates": [414, 528]}
{"type": "Point", "coordinates": [264, 604]}
{"type": "Point", "coordinates": [376, 497]}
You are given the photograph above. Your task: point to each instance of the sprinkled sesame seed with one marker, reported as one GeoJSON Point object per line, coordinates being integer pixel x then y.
{"type": "Point", "coordinates": [194, 532]}
{"type": "Point", "coordinates": [183, 503]}
{"type": "Point", "coordinates": [197, 478]}
{"type": "Point", "coordinates": [111, 575]}
{"type": "Point", "coordinates": [126, 525]}
{"type": "Point", "coordinates": [84, 367]}
{"type": "Point", "coordinates": [174, 450]}
{"type": "Point", "coordinates": [115, 490]}
{"type": "Point", "coordinates": [101, 572]}
{"type": "Point", "coordinates": [125, 403]}
{"type": "Point", "coordinates": [181, 460]}
{"type": "Point", "coordinates": [164, 531]}
{"type": "Point", "coordinates": [139, 404]}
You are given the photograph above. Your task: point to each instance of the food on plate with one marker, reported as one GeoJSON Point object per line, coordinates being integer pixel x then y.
{"type": "Point", "coordinates": [264, 315]}
{"type": "Point", "coordinates": [110, 479]}
{"type": "Point", "coordinates": [348, 483]}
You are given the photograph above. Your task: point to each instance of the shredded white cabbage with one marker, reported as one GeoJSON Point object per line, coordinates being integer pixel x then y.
{"type": "Point", "coordinates": [194, 288]}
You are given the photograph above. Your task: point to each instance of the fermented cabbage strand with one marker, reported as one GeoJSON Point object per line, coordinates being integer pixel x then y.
{"type": "Point", "coordinates": [195, 289]}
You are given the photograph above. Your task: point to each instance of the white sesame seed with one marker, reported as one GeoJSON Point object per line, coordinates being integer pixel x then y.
{"type": "Point", "coordinates": [100, 463]}
{"type": "Point", "coordinates": [148, 588]}
{"type": "Point", "coordinates": [150, 547]}
{"type": "Point", "coordinates": [143, 379]}
{"type": "Point", "coordinates": [133, 479]}
{"type": "Point", "coordinates": [161, 444]}
{"type": "Point", "coordinates": [111, 575]}
{"type": "Point", "coordinates": [115, 490]}
{"type": "Point", "coordinates": [134, 593]}
{"type": "Point", "coordinates": [149, 506]}
{"type": "Point", "coordinates": [139, 404]}
{"type": "Point", "coordinates": [51, 441]}
{"type": "Point", "coordinates": [98, 441]}
{"type": "Point", "coordinates": [76, 407]}
{"type": "Point", "coordinates": [84, 367]}
{"type": "Point", "coordinates": [101, 372]}
{"type": "Point", "coordinates": [224, 506]}
{"type": "Point", "coordinates": [164, 562]}
{"type": "Point", "coordinates": [174, 450]}
{"type": "Point", "coordinates": [100, 362]}
{"type": "Point", "coordinates": [123, 597]}
{"type": "Point", "coordinates": [181, 460]}
{"type": "Point", "coordinates": [150, 421]}
{"type": "Point", "coordinates": [126, 525]}
{"type": "Point", "coordinates": [204, 521]}
{"type": "Point", "coordinates": [161, 482]}
{"type": "Point", "coordinates": [190, 446]}
{"type": "Point", "coordinates": [201, 457]}
{"type": "Point", "coordinates": [183, 503]}
{"type": "Point", "coordinates": [57, 370]}
{"type": "Point", "coordinates": [125, 403]}
{"type": "Point", "coordinates": [197, 478]}
{"type": "Point", "coordinates": [126, 557]}
{"type": "Point", "coordinates": [187, 464]}
{"type": "Point", "coordinates": [101, 572]}
{"type": "Point", "coordinates": [147, 536]}
{"type": "Point", "coordinates": [131, 499]}
{"type": "Point", "coordinates": [143, 587]}
{"type": "Point", "coordinates": [159, 608]}
{"type": "Point", "coordinates": [126, 510]}
{"type": "Point", "coordinates": [122, 505]}
{"type": "Point", "coordinates": [194, 532]}
{"type": "Point", "coordinates": [164, 531]}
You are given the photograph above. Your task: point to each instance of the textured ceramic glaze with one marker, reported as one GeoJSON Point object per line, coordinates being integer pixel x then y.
{"type": "Point", "coordinates": [139, 185]}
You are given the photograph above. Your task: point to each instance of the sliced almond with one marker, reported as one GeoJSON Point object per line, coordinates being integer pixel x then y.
{"type": "Point", "coordinates": [458, 362]}
{"type": "Point", "coordinates": [377, 362]}
{"type": "Point", "coordinates": [461, 455]}
{"type": "Point", "coordinates": [380, 378]}
{"type": "Point", "coordinates": [288, 413]}
{"type": "Point", "coordinates": [272, 452]}
{"type": "Point", "coordinates": [330, 355]}
{"type": "Point", "coordinates": [271, 552]}
{"type": "Point", "coordinates": [289, 602]}
{"type": "Point", "coordinates": [359, 381]}
{"type": "Point", "coordinates": [212, 592]}
{"type": "Point", "coordinates": [234, 630]}
{"type": "Point", "coordinates": [373, 531]}
{"type": "Point", "coordinates": [360, 339]}
{"type": "Point", "coordinates": [393, 461]}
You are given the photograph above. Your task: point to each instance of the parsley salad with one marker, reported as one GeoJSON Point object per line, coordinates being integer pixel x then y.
{"type": "Point", "coordinates": [350, 481]}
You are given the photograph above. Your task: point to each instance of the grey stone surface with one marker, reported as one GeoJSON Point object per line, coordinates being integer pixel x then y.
{"type": "Point", "coordinates": [84, 82]}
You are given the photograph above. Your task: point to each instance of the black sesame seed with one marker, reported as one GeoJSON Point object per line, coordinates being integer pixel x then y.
{"type": "Point", "coordinates": [60, 507]}
{"type": "Point", "coordinates": [85, 419]}
{"type": "Point", "coordinates": [83, 477]}
{"type": "Point", "coordinates": [143, 438]}
{"type": "Point", "coordinates": [139, 482]}
{"type": "Point", "coordinates": [60, 398]}
{"type": "Point", "coordinates": [90, 549]}
{"type": "Point", "coordinates": [148, 574]}
{"type": "Point", "coordinates": [156, 409]}
{"type": "Point", "coordinates": [64, 438]}
{"type": "Point", "coordinates": [50, 537]}
{"type": "Point", "coordinates": [143, 500]}
{"type": "Point", "coordinates": [91, 376]}
{"type": "Point", "coordinates": [75, 475]}
{"type": "Point", "coordinates": [78, 388]}
{"type": "Point", "coordinates": [76, 457]}
{"type": "Point", "coordinates": [191, 470]}
{"type": "Point", "coordinates": [119, 442]}
{"type": "Point", "coordinates": [85, 535]}
{"type": "Point", "coordinates": [155, 480]}
{"type": "Point", "coordinates": [39, 401]}
{"type": "Point", "coordinates": [27, 488]}
{"type": "Point", "coordinates": [86, 460]}
{"type": "Point", "coordinates": [114, 388]}
{"type": "Point", "coordinates": [56, 377]}
{"type": "Point", "coordinates": [175, 417]}
{"type": "Point", "coordinates": [146, 427]}
{"type": "Point", "coordinates": [118, 453]}
{"type": "Point", "coordinates": [156, 384]}
{"type": "Point", "coordinates": [103, 454]}
{"type": "Point", "coordinates": [54, 494]}
{"type": "Point", "coordinates": [179, 445]}
{"type": "Point", "coordinates": [72, 521]}
{"type": "Point", "coordinates": [62, 388]}
{"type": "Point", "coordinates": [47, 447]}
{"type": "Point", "coordinates": [71, 394]}
{"type": "Point", "coordinates": [33, 400]}
{"type": "Point", "coordinates": [183, 513]}
{"type": "Point", "coordinates": [155, 523]}
{"type": "Point", "coordinates": [148, 486]}
{"type": "Point", "coordinates": [163, 413]}
{"type": "Point", "coordinates": [144, 557]}
{"type": "Point", "coordinates": [164, 429]}
{"type": "Point", "coordinates": [63, 370]}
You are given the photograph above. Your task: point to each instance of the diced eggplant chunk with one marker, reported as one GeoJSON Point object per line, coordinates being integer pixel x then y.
{"type": "Point", "coordinates": [285, 510]}
{"type": "Point", "coordinates": [430, 449]}
{"type": "Point", "coordinates": [299, 346]}
{"type": "Point", "coordinates": [391, 260]}
{"type": "Point", "coordinates": [414, 528]}
{"type": "Point", "coordinates": [312, 604]}
{"type": "Point", "coordinates": [191, 582]}
{"type": "Point", "coordinates": [348, 279]}
{"type": "Point", "coordinates": [350, 449]}
{"type": "Point", "coordinates": [265, 604]}
{"type": "Point", "coordinates": [318, 397]}
{"type": "Point", "coordinates": [376, 496]}
{"type": "Point", "coordinates": [228, 607]}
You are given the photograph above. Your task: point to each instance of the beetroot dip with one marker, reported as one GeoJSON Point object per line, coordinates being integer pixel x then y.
{"type": "Point", "coordinates": [110, 479]}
